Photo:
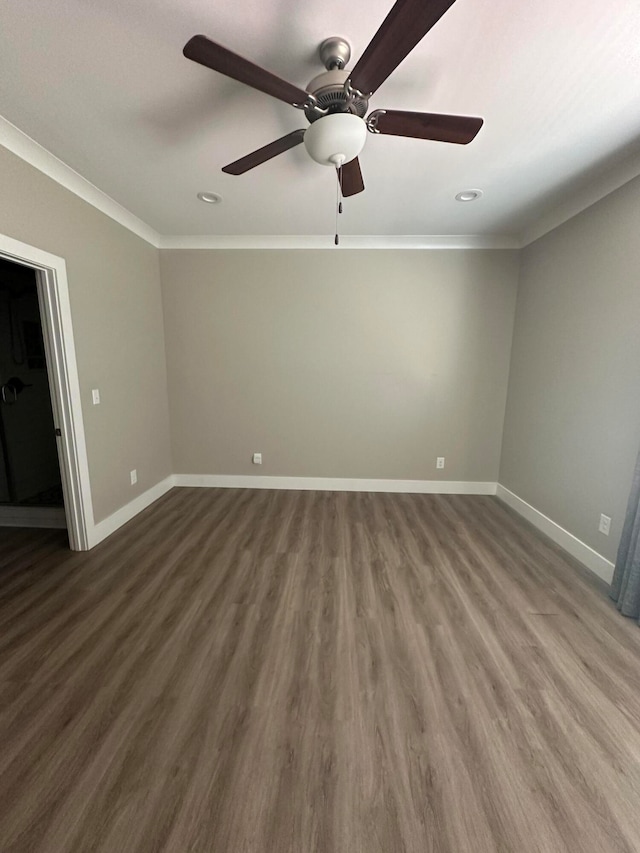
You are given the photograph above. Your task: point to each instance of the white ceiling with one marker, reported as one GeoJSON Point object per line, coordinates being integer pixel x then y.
{"type": "Point", "coordinates": [104, 87]}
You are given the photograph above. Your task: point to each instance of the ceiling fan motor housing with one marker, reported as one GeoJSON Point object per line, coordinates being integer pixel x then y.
{"type": "Point", "coordinates": [328, 89]}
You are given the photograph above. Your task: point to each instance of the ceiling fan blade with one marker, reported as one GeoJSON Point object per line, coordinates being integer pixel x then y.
{"type": "Point", "coordinates": [201, 49]}
{"type": "Point", "coordinates": [239, 167]}
{"type": "Point", "coordinates": [405, 25]}
{"type": "Point", "coordinates": [351, 178]}
{"type": "Point", "coordinates": [439, 128]}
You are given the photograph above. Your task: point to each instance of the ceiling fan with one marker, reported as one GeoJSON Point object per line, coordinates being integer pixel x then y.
{"type": "Point", "coordinates": [336, 101]}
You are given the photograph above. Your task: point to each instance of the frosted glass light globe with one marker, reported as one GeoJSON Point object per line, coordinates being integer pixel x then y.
{"type": "Point", "coordinates": [335, 139]}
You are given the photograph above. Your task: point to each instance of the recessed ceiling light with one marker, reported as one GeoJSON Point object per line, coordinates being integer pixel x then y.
{"type": "Point", "coordinates": [469, 195]}
{"type": "Point", "coordinates": [210, 198]}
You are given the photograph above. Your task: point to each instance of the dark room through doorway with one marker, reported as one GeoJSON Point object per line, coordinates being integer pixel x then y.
{"type": "Point", "coordinates": [29, 466]}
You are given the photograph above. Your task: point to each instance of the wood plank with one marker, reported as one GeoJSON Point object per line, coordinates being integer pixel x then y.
{"type": "Point", "coordinates": [314, 671]}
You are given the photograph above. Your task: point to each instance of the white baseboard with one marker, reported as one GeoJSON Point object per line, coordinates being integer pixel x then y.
{"type": "Point", "coordinates": [110, 524]}
{"type": "Point", "coordinates": [334, 484]}
{"type": "Point", "coordinates": [33, 516]}
{"type": "Point", "coordinates": [576, 547]}
{"type": "Point", "coordinates": [602, 567]}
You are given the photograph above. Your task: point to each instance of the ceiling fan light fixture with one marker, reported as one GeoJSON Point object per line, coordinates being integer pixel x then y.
{"type": "Point", "coordinates": [469, 195]}
{"type": "Point", "coordinates": [210, 198]}
{"type": "Point", "coordinates": [335, 139]}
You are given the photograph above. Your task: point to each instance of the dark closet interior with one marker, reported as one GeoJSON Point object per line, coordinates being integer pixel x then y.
{"type": "Point", "coordinates": [29, 467]}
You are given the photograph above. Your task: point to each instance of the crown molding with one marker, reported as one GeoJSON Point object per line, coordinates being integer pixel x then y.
{"type": "Point", "coordinates": [325, 241]}
{"type": "Point", "coordinates": [16, 141]}
{"type": "Point", "coordinates": [23, 146]}
{"type": "Point", "coordinates": [584, 198]}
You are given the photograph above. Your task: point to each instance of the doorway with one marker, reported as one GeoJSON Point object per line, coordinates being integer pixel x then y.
{"type": "Point", "coordinates": [29, 468]}
{"type": "Point", "coordinates": [54, 345]}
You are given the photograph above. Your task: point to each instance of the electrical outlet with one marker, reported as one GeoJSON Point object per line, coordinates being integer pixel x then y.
{"type": "Point", "coordinates": [440, 462]}
{"type": "Point", "coordinates": [257, 458]}
{"type": "Point", "coordinates": [605, 524]}
{"type": "Point", "coordinates": [95, 396]}
{"type": "Point", "coordinates": [134, 477]}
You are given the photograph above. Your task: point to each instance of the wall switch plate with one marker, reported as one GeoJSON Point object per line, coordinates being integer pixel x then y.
{"type": "Point", "coordinates": [605, 524]}
{"type": "Point", "coordinates": [95, 396]}
{"type": "Point", "coordinates": [134, 476]}
{"type": "Point", "coordinates": [257, 458]}
{"type": "Point", "coordinates": [440, 462]}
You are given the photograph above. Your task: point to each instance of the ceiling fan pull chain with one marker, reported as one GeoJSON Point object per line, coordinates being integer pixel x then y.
{"type": "Point", "coordinates": [338, 203]}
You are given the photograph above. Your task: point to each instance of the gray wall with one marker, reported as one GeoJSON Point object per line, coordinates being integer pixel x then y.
{"type": "Point", "coordinates": [117, 320]}
{"type": "Point", "coordinates": [572, 427]}
{"type": "Point", "coordinates": [338, 363]}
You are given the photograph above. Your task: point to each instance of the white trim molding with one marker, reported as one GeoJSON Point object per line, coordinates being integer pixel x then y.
{"type": "Point", "coordinates": [23, 146]}
{"type": "Point", "coordinates": [33, 516]}
{"type": "Point", "coordinates": [582, 552]}
{"type": "Point", "coordinates": [121, 516]}
{"type": "Point", "coordinates": [335, 484]}
{"type": "Point", "coordinates": [32, 152]}
{"type": "Point", "coordinates": [347, 241]}
{"type": "Point", "coordinates": [109, 525]}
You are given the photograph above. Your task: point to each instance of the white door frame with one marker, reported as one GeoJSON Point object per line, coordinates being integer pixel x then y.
{"type": "Point", "coordinates": [62, 369]}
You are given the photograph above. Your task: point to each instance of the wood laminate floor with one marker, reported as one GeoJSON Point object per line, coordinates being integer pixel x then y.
{"type": "Point", "coordinates": [309, 672]}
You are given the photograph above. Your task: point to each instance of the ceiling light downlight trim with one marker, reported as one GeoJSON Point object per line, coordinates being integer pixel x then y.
{"type": "Point", "coordinates": [469, 195]}
{"type": "Point", "coordinates": [209, 197]}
